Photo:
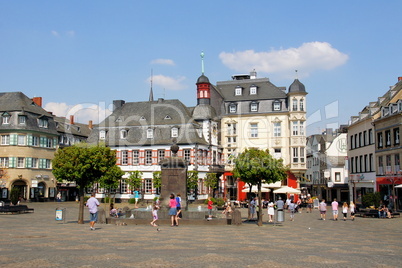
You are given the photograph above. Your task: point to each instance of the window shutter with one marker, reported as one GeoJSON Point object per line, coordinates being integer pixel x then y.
{"type": "Point", "coordinates": [28, 162]}
{"type": "Point", "coordinates": [29, 140]}
{"type": "Point", "coordinates": [13, 139]}
{"type": "Point", "coordinates": [12, 162]}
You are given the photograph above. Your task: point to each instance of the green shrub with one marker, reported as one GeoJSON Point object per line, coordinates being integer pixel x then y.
{"type": "Point", "coordinates": [86, 198]}
{"type": "Point", "coordinates": [219, 202]}
{"type": "Point", "coordinates": [371, 199]}
{"type": "Point", "coordinates": [14, 195]}
{"type": "Point", "coordinates": [131, 201]}
{"type": "Point", "coordinates": [212, 199]}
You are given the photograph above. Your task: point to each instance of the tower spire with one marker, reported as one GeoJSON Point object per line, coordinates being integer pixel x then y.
{"type": "Point", "coordinates": [202, 62]}
{"type": "Point", "coordinates": [151, 93]}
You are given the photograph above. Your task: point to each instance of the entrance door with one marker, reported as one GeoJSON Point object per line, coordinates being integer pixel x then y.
{"type": "Point", "coordinates": [22, 187]}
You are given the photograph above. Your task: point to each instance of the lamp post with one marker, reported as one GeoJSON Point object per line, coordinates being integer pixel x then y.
{"type": "Point", "coordinates": [358, 179]}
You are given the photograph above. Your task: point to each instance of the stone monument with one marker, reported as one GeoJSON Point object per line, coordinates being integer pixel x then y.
{"type": "Point", "coordinates": [174, 177]}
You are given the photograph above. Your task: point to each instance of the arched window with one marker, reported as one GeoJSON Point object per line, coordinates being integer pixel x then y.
{"type": "Point", "coordinates": [294, 105]}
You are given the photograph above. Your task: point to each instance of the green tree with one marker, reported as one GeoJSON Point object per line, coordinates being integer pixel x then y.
{"type": "Point", "coordinates": [210, 181]}
{"type": "Point", "coordinates": [255, 167]}
{"type": "Point", "coordinates": [135, 180]}
{"type": "Point", "coordinates": [157, 180]}
{"type": "Point", "coordinates": [85, 165]}
{"type": "Point", "coordinates": [111, 180]}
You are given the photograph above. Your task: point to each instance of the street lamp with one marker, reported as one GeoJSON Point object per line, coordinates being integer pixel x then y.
{"type": "Point", "coordinates": [358, 178]}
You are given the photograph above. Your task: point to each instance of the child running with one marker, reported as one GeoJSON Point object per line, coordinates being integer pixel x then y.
{"type": "Point", "coordinates": [154, 215]}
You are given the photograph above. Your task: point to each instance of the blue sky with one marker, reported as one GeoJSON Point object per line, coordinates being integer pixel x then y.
{"type": "Point", "coordinates": [78, 55]}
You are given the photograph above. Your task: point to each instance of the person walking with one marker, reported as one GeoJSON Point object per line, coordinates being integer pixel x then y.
{"type": "Point", "coordinates": [178, 209]}
{"type": "Point", "coordinates": [271, 211]}
{"type": "Point", "coordinates": [323, 209]}
{"type": "Point", "coordinates": [92, 205]}
{"type": "Point", "coordinates": [309, 203]}
{"type": "Point", "coordinates": [292, 210]}
{"type": "Point", "coordinates": [136, 197]}
{"type": "Point", "coordinates": [352, 208]}
{"type": "Point", "coordinates": [210, 203]}
{"type": "Point", "coordinates": [335, 206]}
{"type": "Point", "coordinates": [173, 209]}
{"type": "Point", "coordinates": [345, 208]}
{"type": "Point", "coordinates": [154, 215]}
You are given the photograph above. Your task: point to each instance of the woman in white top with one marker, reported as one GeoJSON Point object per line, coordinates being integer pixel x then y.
{"type": "Point", "coordinates": [345, 210]}
{"type": "Point", "coordinates": [271, 211]}
{"type": "Point", "coordinates": [352, 208]}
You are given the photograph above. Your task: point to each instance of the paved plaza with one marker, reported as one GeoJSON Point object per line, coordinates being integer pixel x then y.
{"type": "Point", "coordinates": [38, 240]}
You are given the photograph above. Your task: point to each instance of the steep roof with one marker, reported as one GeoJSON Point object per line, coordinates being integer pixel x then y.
{"type": "Point", "coordinates": [18, 101]}
{"type": "Point", "coordinates": [265, 90]}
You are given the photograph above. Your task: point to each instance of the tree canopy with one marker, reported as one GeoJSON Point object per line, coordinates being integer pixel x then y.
{"type": "Point", "coordinates": [85, 165]}
{"type": "Point", "coordinates": [255, 166]}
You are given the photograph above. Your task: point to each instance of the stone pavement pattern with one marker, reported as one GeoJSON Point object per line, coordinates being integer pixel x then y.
{"type": "Point", "coordinates": [37, 240]}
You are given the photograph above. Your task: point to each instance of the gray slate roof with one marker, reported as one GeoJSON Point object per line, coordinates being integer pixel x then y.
{"type": "Point", "coordinates": [265, 90]}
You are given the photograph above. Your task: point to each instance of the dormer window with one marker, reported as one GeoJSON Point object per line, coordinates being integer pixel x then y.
{"type": "Point", "coordinates": [43, 123]}
{"type": "Point", "coordinates": [238, 91]}
{"type": "Point", "coordinates": [123, 134]}
{"type": "Point", "coordinates": [102, 134]}
{"type": "Point", "coordinates": [22, 119]}
{"type": "Point", "coordinates": [253, 90]}
{"type": "Point", "coordinates": [142, 118]}
{"type": "Point", "coordinates": [277, 105]}
{"type": "Point", "coordinates": [384, 111]}
{"type": "Point", "coordinates": [150, 133]}
{"type": "Point", "coordinates": [232, 108]}
{"type": "Point", "coordinates": [167, 117]}
{"type": "Point", "coordinates": [174, 132]}
{"type": "Point", "coordinates": [254, 106]}
{"type": "Point", "coordinates": [6, 118]}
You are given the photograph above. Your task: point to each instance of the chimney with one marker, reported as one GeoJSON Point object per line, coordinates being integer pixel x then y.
{"type": "Point", "coordinates": [118, 104]}
{"type": "Point", "coordinates": [399, 78]}
{"type": "Point", "coordinates": [38, 101]}
{"type": "Point", "coordinates": [72, 119]}
{"type": "Point", "coordinates": [90, 125]}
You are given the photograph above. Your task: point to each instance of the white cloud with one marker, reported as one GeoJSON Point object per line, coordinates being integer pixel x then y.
{"type": "Point", "coordinates": [82, 113]}
{"type": "Point", "coordinates": [163, 62]}
{"type": "Point", "coordinates": [55, 33]}
{"type": "Point", "coordinates": [307, 58]}
{"type": "Point", "coordinates": [167, 82]}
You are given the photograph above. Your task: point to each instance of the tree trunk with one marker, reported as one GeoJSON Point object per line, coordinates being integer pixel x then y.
{"type": "Point", "coordinates": [81, 209]}
{"type": "Point", "coordinates": [259, 205]}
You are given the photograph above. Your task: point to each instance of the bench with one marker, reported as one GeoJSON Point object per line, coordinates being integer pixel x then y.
{"type": "Point", "coordinates": [15, 209]}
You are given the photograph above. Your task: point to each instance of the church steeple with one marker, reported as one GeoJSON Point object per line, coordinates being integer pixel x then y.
{"type": "Point", "coordinates": [151, 93]}
{"type": "Point", "coordinates": [203, 86]}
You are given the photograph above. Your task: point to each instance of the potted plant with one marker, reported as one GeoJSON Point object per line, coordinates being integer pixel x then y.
{"type": "Point", "coordinates": [14, 195]}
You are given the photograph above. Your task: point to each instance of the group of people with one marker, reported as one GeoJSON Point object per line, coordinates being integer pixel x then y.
{"type": "Point", "coordinates": [335, 209]}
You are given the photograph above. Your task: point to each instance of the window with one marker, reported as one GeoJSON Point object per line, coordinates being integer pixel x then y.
{"type": "Point", "coordinates": [35, 141]}
{"type": "Point", "coordinates": [148, 186]}
{"type": "Point", "coordinates": [123, 134]}
{"type": "Point", "coordinates": [277, 105]}
{"type": "Point", "coordinates": [295, 128]}
{"type": "Point", "coordinates": [20, 162]}
{"type": "Point", "coordinates": [253, 90]}
{"type": "Point", "coordinates": [365, 138]}
{"type": "Point", "coordinates": [238, 91]}
{"type": "Point", "coordinates": [397, 164]}
{"type": "Point", "coordinates": [6, 118]}
{"type": "Point", "coordinates": [231, 129]}
{"type": "Point", "coordinates": [174, 132]}
{"type": "Point", "coordinates": [380, 166]}
{"type": "Point", "coordinates": [254, 130]}
{"type": "Point", "coordinates": [337, 177]}
{"type": "Point", "coordinates": [301, 128]}
{"type": "Point", "coordinates": [379, 138]}
{"type": "Point", "coordinates": [302, 149]}
{"type": "Point", "coordinates": [352, 165]}
{"type": "Point", "coordinates": [352, 145]}
{"type": "Point", "coordinates": [21, 139]}
{"type": "Point", "coordinates": [150, 133]}
{"type": "Point", "coordinates": [371, 161]}
{"type": "Point", "coordinates": [277, 129]}
{"type": "Point", "coordinates": [254, 107]}
{"type": "Point", "coordinates": [124, 157]}
{"type": "Point", "coordinates": [161, 155]}
{"type": "Point", "coordinates": [148, 157]}
{"type": "Point", "coordinates": [3, 162]}
{"type": "Point", "coordinates": [295, 155]}
{"type": "Point", "coordinates": [49, 143]}
{"type": "Point", "coordinates": [22, 119]}
{"type": "Point", "coordinates": [187, 155]}
{"type": "Point", "coordinates": [102, 135]}
{"type": "Point", "coordinates": [43, 123]}
{"type": "Point", "coordinates": [232, 108]}
{"type": "Point", "coordinates": [34, 163]}
{"type": "Point", "coordinates": [360, 139]}
{"type": "Point", "coordinates": [388, 138]}
{"type": "Point", "coordinates": [396, 136]}
{"type": "Point", "coordinates": [136, 157]}
{"type": "Point", "coordinates": [371, 138]}
{"type": "Point", "coordinates": [294, 105]}
{"type": "Point", "coordinates": [5, 139]}
{"type": "Point", "coordinates": [301, 105]}
{"type": "Point", "coordinates": [123, 186]}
